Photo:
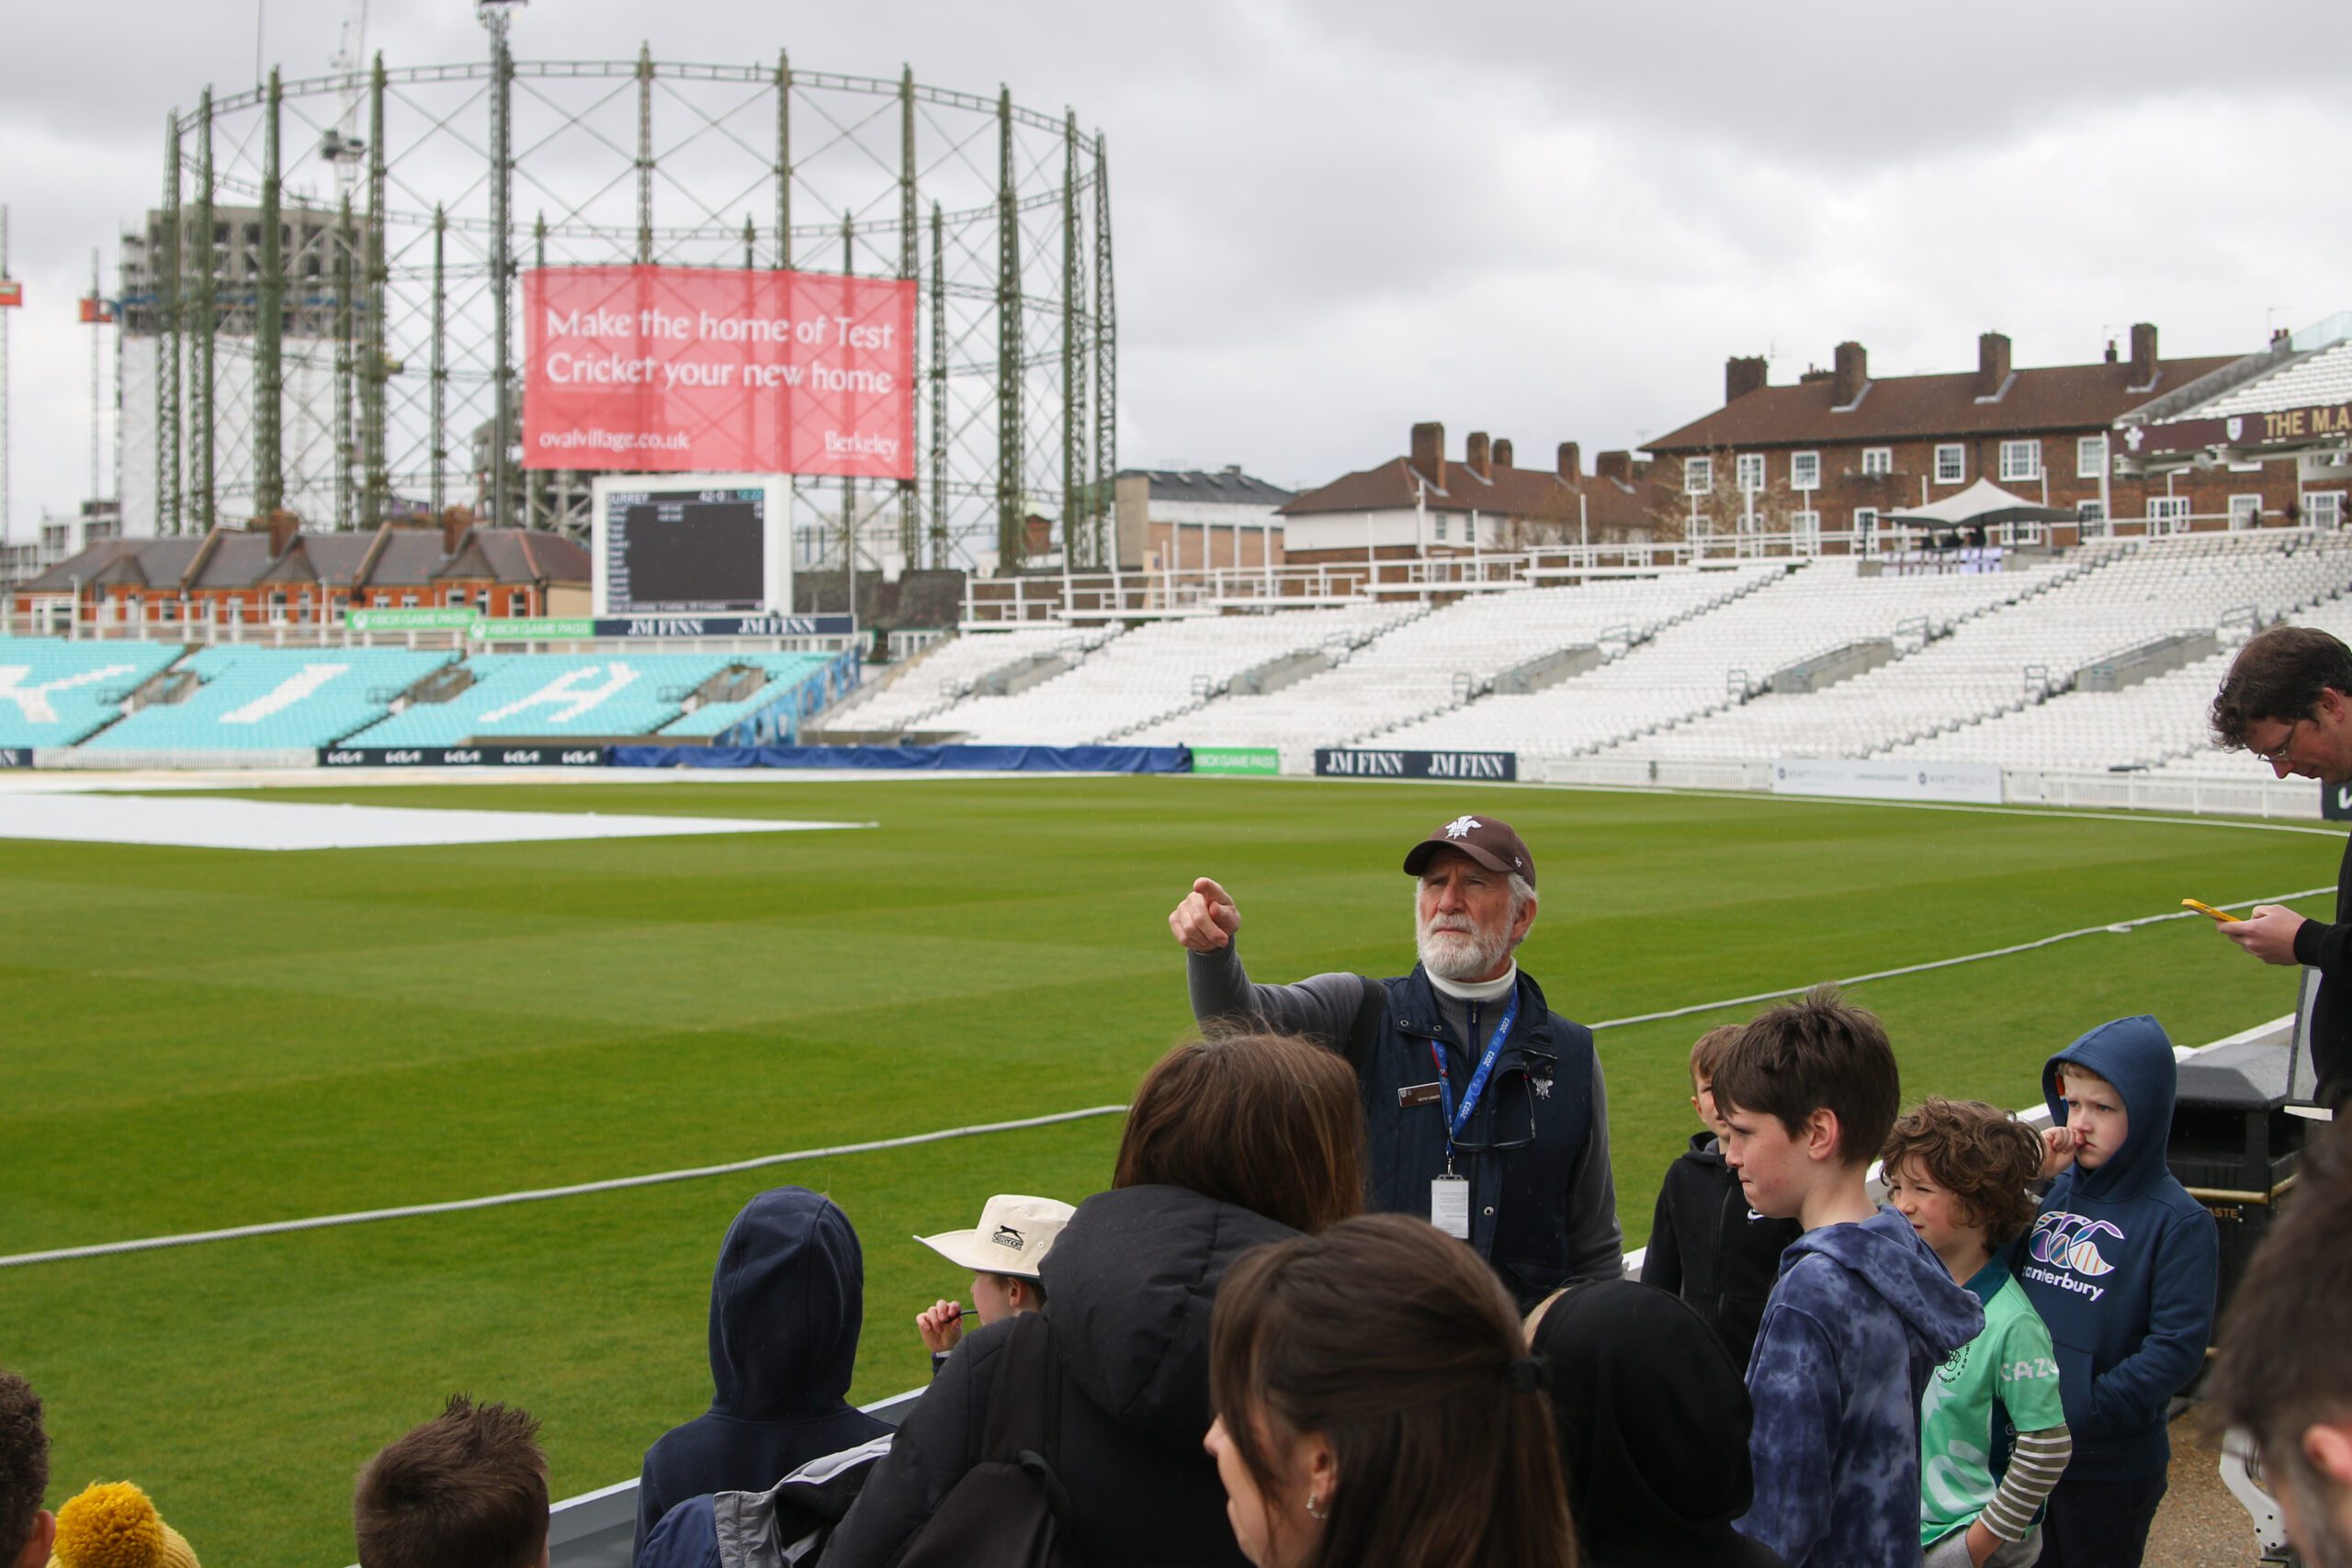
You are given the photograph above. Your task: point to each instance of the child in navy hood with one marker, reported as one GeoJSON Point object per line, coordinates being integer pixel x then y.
{"type": "Point", "coordinates": [785, 1303]}
{"type": "Point", "coordinates": [2123, 1265]}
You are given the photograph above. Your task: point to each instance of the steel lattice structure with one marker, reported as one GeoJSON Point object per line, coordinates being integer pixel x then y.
{"type": "Point", "coordinates": [343, 354]}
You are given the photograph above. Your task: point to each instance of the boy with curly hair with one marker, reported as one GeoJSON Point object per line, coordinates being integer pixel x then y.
{"type": "Point", "coordinates": [26, 1527]}
{"type": "Point", "coordinates": [1993, 1437]}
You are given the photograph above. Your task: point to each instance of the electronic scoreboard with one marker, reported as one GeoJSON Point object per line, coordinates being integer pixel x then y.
{"type": "Point", "coordinates": [692, 544]}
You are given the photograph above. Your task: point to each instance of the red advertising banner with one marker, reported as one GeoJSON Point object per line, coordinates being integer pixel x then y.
{"type": "Point", "coordinates": [665, 369]}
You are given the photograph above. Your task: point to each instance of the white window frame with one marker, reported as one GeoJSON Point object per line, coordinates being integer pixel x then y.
{"type": "Point", "coordinates": [1748, 471]}
{"type": "Point", "coordinates": [1877, 461]}
{"type": "Point", "coordinates": [2090, 455]}
{"type": "Point", "coordinates": [2090, 519]}
{"type": "Point", "coordinates": [1805, 532]}
{"type": "Point", "coordinates": [2329, 501]}
{"type": "Point", "coordinates": [1865, 529]}
{"type": "Point", "coordinates": [1804, 471]}
{"type": "Point", "coordinates": [1698, 475]}
{"type": "Point", "coordinates": [1958, 453]}
{"type": "Point", "coordinates": [2246, 506]}
{"type": "Point", "coordinates": [2164, 512]}
{"type": "Point", "coordinates": [408, 601]}
{"type": "Point", "coordinates": [2020, 461]}
{"type": "Point", "coordinates": [1440, 518]}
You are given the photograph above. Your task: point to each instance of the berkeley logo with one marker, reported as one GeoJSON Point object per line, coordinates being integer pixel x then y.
{"type": "Point", "coordinates": [2071, 1242]}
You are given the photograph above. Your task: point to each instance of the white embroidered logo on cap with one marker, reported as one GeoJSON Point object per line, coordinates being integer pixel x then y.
{"type": "Point", "coordinates": [1460, 828]}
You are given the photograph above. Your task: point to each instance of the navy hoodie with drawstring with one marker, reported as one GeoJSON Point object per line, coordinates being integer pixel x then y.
{"type": "Point", "coordinates": [2122, 1264]}
{"type": "Point", "coordinates": [786, 1301]}
{"type": "Point", "coordinates": [1861, 1316]}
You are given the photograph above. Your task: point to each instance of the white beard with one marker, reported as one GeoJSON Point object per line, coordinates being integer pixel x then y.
{"type": "Point", "coordinates": [1461, 954]}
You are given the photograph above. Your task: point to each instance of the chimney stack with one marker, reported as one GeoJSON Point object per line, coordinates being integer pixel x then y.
{"type": "Point", "coordinates": [282, 526]}
{"type": "Point", "coordinates": [1475, 454]}
{"type": "Point", "coordinates": [2144, 354]}
{"type": "Point", "coordinates": [1992, 364]}
{"type": "Point", "coordinates": [454, 524]}
{"type": "Point", "coordinates": [1853, 374]}
{"type": "Point", "coordinates": [1502, 453]}
{"type": "Point", "coordinates": [1742, 375]}
{"type": "Point", "coordinates": [1571, 462]}
{"type": "Point", "coordinates": [1616, 467]}
{"type": "Point", "coordinates": [1429, 452]}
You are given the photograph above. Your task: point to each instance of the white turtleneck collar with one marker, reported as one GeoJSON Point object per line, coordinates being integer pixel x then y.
{"type": "Point", "coordinates": [1478, 990]}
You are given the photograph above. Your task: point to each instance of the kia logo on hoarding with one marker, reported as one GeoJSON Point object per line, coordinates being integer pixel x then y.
{"type": "Point", "coordinates": [402, 757]}
{"type": "Point", "coordinates": [580, 758]}
{"type": "Point", "coordinates": [461, 756]}
{"type": "Point", "coordinates": [342, 759]}
{"type": "Point", "coordinates": [519, 757]}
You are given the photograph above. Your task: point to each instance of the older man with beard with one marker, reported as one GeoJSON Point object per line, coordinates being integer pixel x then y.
{"type": "Point", "coordinates": [1487, 1109]}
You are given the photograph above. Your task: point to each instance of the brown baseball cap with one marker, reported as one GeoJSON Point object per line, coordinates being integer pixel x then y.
{"type": "Point", "coordinates": [1490, 841]}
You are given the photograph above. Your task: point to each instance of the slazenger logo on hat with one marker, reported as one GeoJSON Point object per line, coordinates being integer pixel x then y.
{"type": "Point", "coordinates": [1013, 1237]}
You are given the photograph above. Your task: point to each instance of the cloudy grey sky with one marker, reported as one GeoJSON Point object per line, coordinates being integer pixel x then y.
{"type": "Point", "coordinates": [1548, 220]}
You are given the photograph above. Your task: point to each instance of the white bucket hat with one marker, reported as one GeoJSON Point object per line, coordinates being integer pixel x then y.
{"type": "Point", "coordinates": [1013, 1237]}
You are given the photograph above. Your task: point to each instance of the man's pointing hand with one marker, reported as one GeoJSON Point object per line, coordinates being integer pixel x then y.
{"type": "Point", "coordinates": [1206, 919]}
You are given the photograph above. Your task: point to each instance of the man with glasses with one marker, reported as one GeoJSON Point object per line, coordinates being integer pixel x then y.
{"type": "Point", "coordinates": [2285, 700]}
{"type": "Point", "coordinates": [1486, 1111]}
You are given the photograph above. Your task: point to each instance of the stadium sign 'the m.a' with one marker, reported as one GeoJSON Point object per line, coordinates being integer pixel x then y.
{"type": "Point", "coordinates": [678, 369]}
{"type": "Point", "coordinates": [1484, 767]}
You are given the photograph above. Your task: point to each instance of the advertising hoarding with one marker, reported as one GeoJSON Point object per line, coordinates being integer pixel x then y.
{"type": "Point", "coordinates": [1366, 763]}
{"type": "Point", "coordinates": [1975, 784]}
{"type": "Point", "coordinates": [1253, 761]}
{"type": "Point", "coordinates": [668, 369]}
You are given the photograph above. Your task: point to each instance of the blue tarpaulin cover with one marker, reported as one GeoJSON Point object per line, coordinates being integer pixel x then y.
{"type": "Point", "coordinates": [958, 759]}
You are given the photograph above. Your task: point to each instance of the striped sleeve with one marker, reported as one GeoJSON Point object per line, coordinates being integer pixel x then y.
{"type": "Point", "coordinates": [2035, 1465]}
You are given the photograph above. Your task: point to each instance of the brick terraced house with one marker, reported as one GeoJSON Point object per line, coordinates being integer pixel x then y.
{"type": "Point", "coordinates": [1822, 461]}
{"type": "Point", "coordinates": [275, 574]}
{"type": "Point", "coordinates": [1426, 505]}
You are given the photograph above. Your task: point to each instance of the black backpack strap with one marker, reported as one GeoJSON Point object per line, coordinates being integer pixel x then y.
{"type": "Point", "coordinates": [1024, 1397]}
{"type": "Point", "coordinates": [1363, 1030]}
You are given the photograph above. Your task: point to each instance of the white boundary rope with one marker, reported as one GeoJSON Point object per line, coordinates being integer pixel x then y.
{"type": "Point", "coordinates": [2117, 926]}
{"type": "Point", "coordinates": [622, 1183]}
{"type": "Point", "coordinates": [409, 1211]}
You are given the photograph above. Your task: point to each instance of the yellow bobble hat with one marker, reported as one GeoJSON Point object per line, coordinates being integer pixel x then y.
{"type": "Point", "coordinates": [113, 1525]}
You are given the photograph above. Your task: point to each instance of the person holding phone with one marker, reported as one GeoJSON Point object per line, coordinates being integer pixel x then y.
{"type": "Point", "coordinates": [2285, 700]}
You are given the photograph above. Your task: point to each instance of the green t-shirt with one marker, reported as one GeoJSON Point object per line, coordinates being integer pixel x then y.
{"type": "Point", "coordinates": [2006, 1374]}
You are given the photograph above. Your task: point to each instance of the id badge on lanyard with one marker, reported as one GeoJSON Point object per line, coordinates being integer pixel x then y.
{"type": "Point", "coordinates": [1450, 1205]}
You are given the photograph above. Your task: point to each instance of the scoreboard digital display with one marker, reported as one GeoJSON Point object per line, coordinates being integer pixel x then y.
{"type": "Point", "coordinates": [712, 545]}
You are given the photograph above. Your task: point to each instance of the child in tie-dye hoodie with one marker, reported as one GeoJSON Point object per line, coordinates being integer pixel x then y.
{"type": "Point", "coordinates": [1863, 1309]}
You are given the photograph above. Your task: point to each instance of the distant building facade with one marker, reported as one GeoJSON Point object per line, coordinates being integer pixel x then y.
{"type": "Point", "coordinates": [278, 575]}
{"type": "Point", "coordinates": [1186, 519]}
{"type": "Point", "coordinates": [1425, 503]}
{"type": "Point", "coordinates": [1825, 459]}
{"type": "Point", "coordinates": [2272, 421]}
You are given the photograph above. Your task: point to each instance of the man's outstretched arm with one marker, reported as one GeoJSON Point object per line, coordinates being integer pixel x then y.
{"type": "Point", "coordinates": [1206, 923]}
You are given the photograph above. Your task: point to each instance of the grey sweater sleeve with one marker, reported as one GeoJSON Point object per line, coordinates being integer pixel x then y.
{"type": "Point", "coordinates": [1595, 1241]}
{"type": "Point", "coordinates": [1323, 1006]}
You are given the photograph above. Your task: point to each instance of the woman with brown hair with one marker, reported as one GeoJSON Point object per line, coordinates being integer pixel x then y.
{"type": "Point", "coordinates": [1229, 1144]}
{"type": "Point", "coordinates": [1377, 1407]}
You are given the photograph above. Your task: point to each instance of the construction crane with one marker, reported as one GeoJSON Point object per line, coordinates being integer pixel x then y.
{"type": "Point", "coordinates": [343, 146]}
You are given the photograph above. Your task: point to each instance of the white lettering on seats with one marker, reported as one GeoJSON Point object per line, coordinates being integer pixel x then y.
{"type": "Point", "coordinates": [564, 694]}
{"type": "Point", "coordinates": [33, 701]}
{"type": "Point", "coordinates": [292, 690]}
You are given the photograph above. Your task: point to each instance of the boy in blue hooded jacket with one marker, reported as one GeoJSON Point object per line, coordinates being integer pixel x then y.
{"type": "Point", "coordinates": [1863, 1312]}
{"type": "Point", "coordinates": [2123, 1265]}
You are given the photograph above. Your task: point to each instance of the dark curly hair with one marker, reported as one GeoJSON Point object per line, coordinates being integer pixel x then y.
{"type": "Point", "coordinates": [2278, 674]}
{"type": "Point", "coordinates": [1979, 1154]}
{"type": "Point", "coordinates": [24, 1463]}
